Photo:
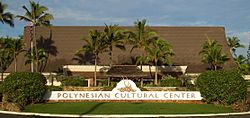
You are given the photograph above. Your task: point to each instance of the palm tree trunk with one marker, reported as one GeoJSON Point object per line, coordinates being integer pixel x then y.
{"type": "Point", "coordinates": [111, 56]}
{"type": "Point", "coordinates": [31, 54]}
{"type": "Point", "coordinates": [15, 63]}
{"type": "Point", "coordinates": [215, 67]}
{"type": "Point", "coordinates": [156, 73]}
{"type": "Point", "coordinates": [35, 49]}
{"type": "Point", "coordinates": [95, 70]}
{"type": "Point", "coordinates": [2, 75]}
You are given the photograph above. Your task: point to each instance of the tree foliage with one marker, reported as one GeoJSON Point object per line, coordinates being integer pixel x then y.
{"type": "Point", "coordinates": [37, 15]}
{"type": "Point", "coordinates": [9, 49]}
{"type": "Point", "coordinates": [40, 59]}
{"type": "Point", "coordinates": [6, 17]}
{"type": "Point", "coordinates": [212, 54]}
{"type": "Point", "coordinates": [113, 36]}
{"type": "Point", "coordinates": [234, 43]}
{"type": "Point", "coordinates": [159, 51]}
{"type": "Point", "coordinates": [142, 36]}
{"type": "Point", "coordinates": [94, 44]}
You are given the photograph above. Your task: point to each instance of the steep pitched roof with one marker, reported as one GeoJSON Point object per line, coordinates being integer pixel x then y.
{"type": "Point", "coordinates": [63, 41]}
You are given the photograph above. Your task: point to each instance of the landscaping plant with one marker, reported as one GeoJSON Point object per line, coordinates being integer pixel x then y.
{"type": "Point", "coordinates": [169, 81]}
{"type": "Point", "coordinates": [224, 87]}
{"type": "Point", "coordinates": [24, 88]}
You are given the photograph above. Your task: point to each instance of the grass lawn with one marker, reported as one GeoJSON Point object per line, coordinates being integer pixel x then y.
{"type": "Point", "coordinates": [81, 108]}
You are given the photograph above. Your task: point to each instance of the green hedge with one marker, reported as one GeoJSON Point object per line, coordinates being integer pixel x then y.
{"type": "Point", "coordinates": [169, 81]}
{"type": "Point", "coordinates": [24, 88]}
{"type": "Point", "coordinates": [224, 87]}
{"type": "Point", "coordinates": [72, 81]}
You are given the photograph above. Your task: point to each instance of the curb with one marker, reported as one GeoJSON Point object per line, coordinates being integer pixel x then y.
{"type": "Point", "coordinates": [144, 115]}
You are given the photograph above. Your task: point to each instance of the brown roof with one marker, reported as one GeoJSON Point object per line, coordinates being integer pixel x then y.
{"type": "Point", "coordinates": [125, 71]}
{"type": "Point", "coordinates": [63, 41]}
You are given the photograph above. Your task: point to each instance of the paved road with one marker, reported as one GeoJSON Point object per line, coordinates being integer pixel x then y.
{"type": "Point", "coordinates": [16, 116]}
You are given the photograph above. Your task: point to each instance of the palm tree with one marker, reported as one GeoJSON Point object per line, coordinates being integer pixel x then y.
{"type": "Point", "coordinates": [6, 17]}
{"type": "Point", "coordinates": [212, 54]}
{"type": "Point", "coordinates": [141, 37]}
{"type": "Point", "coordinates": [6, 56]}
{"type": "Point", "coordinates": [40, 58]}
{"type": "Point", "coordinates": [37, 16]}
{"type": "Point", "coordinates": [233, 43]}
{"type": "Point", "coordinates": [113, 37]}
{"type": "Point", "coordinates": [94, 45]}
{"type": "Point", "coordinates": [241, 62]}
{"type": "Point", "coordinates": [159, 51]}
{"type": "Point", "coordinates": [16, 46]}
{"type": "Point", "coordinates": [5, 60]}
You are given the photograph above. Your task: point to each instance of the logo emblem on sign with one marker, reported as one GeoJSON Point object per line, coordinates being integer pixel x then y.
{"type": "Point", "coordinates": [126, 86]}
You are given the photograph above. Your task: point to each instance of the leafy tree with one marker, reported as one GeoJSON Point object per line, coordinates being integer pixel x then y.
{"type": "Point", "coordinates": [159, 51]}
{"type": "Point", "coordinates": [113, 36]}
{"type": "Point", "coordinates": [234, 43]}
{"type": "Point", "coordinates": [37, 16]}
{"type": "Point", "coordinates": [6, 17]}
{"type": "Point", "coordinates": [94, 45]}
{"type": "Point", "coordinates": [212, 54]}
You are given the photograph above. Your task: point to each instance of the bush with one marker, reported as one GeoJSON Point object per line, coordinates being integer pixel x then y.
{"type": "Point", "coordinates": [55, 88]}
{"type": "Point", "coordinates": [170, 81]}
{"type": "Point", "coordinates": [24, 88]}
{"type": "Point", "coordinates": [224, 87]}
{"type": "Point", "coordinates": [71, 81]}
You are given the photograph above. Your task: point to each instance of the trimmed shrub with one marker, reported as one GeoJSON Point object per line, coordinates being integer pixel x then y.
{"type": "Point", "coordinates": [224, 86]}
{"type": "Point", "coordinates": [72, 81]}
{"type": "Point", "coordinates": [169, 81]}
{"type": "Point", "coordinates": [24, 88]}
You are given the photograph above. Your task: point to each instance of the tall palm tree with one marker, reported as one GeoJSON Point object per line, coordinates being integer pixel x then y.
{"type": "Point", "coordinates": [212, 54]}
{"type": "Point", "coordinates": [6, 17]}
{"type": "Point", "coordinates": [114, 36]}
{"type": "Point", "coordinates": [142, 36]}
{"type": "Point", "coordinates": [233, 43]}
{"type": "Point", "coordinates": [37, 16]}
{"type": "Point", "coordinates": [95, 45]}
{"type": "Point", "coordinates": [159, 51]}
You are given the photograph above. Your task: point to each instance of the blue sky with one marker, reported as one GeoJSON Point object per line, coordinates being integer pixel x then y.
{"type": "Point", "coordinates": [234, 15]}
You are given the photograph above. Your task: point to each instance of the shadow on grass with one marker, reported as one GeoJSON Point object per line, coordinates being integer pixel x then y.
{"type": "Point", "coordinates": [93, 108]}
